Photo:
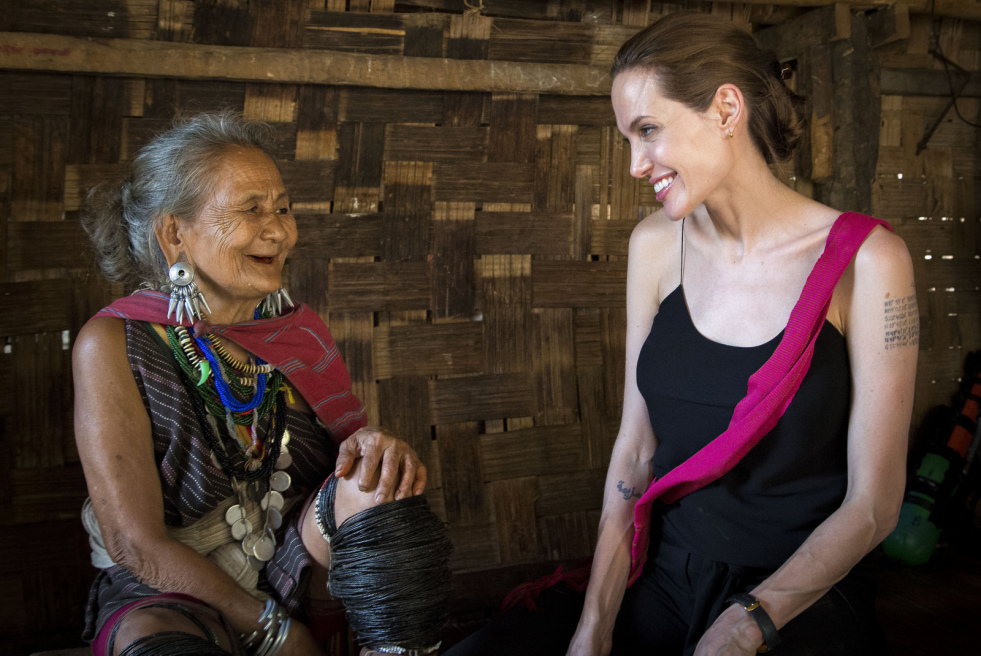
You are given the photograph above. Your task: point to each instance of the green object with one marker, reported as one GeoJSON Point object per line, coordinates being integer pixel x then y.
{"type": "Point", "coordinates": [915, 537]}
{"type": "Point", "coordinates": [205, 372]}
{"type": "Point", "coordinates": [934, 467]}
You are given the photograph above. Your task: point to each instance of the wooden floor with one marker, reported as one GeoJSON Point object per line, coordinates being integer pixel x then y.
{"type": "Point", "coordinates": [930, 610]}
{"type": "Point", "coordinates": [934, 608]}
{"type": "Point", "coordinates": [925, 611]}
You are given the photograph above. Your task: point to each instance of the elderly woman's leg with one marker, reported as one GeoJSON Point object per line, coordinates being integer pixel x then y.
{"type": "Point", "coordinates": [388, 563]}
{"type": "Point", "coordinates": [177, 619]}
{"type": "Point", "coordinates": [327, 618]}
{"type": "Point", "coordinates": [349, 500]}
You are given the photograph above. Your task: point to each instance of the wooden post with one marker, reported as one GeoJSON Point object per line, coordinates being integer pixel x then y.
{"type": "Point", "coordinates": [856, 123]}
{"type": "Point", "coordinates": [822, 106]}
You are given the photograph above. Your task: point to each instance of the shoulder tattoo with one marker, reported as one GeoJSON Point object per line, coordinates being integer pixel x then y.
{"type": "Point", "coordinates": [902, 322]}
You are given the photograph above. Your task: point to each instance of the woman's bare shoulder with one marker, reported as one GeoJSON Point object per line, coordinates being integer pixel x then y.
{"type": "Point", "coordinates": [655, 252]}
{"type": "Point", "coordinates": [99, 339]}
{"type": "Point", "coordinates": [656, 227]}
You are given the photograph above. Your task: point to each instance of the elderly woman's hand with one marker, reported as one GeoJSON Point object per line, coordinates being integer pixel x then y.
{"type": "Point", "coordinates": [379, 447]}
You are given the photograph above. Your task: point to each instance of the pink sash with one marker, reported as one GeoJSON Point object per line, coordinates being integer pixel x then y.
{"type": "Point", "coordinates": [769, 391]}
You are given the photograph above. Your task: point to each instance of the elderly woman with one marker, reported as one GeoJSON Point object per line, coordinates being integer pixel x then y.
{"type": "Point", "coordinates": [770, 357]}
{"type": "Point", "coordinates": [208, 410]}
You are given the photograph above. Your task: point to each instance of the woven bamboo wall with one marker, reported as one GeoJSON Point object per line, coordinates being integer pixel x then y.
{"type": "Point", "coordinates": [466, 247]}
{"type": "Point", "coordinates": [937, 196]}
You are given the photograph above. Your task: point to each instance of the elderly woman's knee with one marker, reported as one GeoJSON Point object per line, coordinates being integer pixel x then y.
{"type": "Point", "coordinates": [146, 622]}
{"type": "Point", "coordinates": [387, 560]}
{"type": "Point", "coordinates": [350, 499]}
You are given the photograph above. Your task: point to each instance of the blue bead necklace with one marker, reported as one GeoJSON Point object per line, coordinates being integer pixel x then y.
{"type": "Point", "coordinates": [224, 391]}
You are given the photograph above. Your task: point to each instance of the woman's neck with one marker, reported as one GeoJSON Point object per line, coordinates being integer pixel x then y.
{"type": "Point", "coordinates": [226, 313]}
{"type": "Point", "coordinates": [224, 308]}
{"type": "Point", "coordinates": [749, 208]}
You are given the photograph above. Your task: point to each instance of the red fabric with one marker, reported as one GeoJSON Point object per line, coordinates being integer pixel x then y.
{"type": "Point", "coordinates": [527, 593]}
{"type": "Point", "coordinates": [769, 391]}
{"type": "Point", "coordinates": [297, 343]}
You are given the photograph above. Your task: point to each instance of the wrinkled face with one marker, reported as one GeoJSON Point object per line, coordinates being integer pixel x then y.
{"type": "Point", "coordinates": [676, 148]}
{"type": "Point", "coordinates": [239, 242]}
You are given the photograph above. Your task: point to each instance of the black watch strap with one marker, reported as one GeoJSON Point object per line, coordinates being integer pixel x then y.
{"type": "Point", "coordinates": [752, 606]}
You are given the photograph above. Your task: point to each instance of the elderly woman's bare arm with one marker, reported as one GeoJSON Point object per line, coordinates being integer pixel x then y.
{"type": "Point", "coordinates": [113, 433]}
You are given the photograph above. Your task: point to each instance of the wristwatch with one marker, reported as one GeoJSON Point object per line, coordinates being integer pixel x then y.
{"type": "Point", "coordinates": [752, 606]}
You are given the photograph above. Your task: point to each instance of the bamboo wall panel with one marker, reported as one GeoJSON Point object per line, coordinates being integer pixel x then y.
{"type": "Point", "coordinates": [466, 247]}
{"type": "Point", "coordinates": [933, 199]}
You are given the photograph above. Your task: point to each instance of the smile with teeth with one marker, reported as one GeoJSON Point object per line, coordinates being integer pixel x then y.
{"type": "Point", "coordinates": [663, 184]}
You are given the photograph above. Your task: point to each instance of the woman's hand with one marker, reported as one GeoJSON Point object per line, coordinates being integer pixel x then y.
{"type": "Point", "coordinates": [734, 633]}
{"type": "Point", "coordinates": [377, 446]}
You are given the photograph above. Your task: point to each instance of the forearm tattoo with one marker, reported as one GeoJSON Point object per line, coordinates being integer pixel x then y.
{"type": "Point", "coordinates": [627, 494]}
{"type": "Point", "coordinates": [902, 322]}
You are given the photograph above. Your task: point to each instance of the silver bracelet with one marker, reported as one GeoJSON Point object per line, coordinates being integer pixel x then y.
{"type": "Point", "coordinates": [271, 631]}
{"type": "Point", "coordinates": [281, 635]}
{"type": "Point", "coordinates": [249, 642]}
{"type": "Point", "coordinates": [391, 649]}
{"type": "Point", "coordinates": [274, 625]}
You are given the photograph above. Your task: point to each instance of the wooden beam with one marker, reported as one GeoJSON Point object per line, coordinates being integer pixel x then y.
{"type": "Point", "coordinates": [142, 58]}
{"type": "Point", "coordinates": [926, 82]}
{"type": "Point", "coordinates": [966, 9]}
{"type": "Point", "coordinates": [856, 108]}
{"type": "Point", "coordinates": [790, 38]}
{"type": "Point", "coordinates": [888, 25]}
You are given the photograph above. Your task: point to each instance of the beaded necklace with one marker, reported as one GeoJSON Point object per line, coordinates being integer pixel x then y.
{"type": "Point", "coordinates": [257, 548]}
{"type": "Point", "coordinates": [251, 465]}
{"type": "Point", "coordinates": [246, 368]}
{"type": "Point", "coordinates": [224, 391]}
{"type": "Point", "coordinates": [196, 367]}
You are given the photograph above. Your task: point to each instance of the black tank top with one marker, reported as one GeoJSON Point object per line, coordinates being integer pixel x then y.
{"type": "Point", "coordinates": [759, 513]}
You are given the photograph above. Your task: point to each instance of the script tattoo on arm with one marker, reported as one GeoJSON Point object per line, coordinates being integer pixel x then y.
{"type": "Point", "coordinates": [627, 494]}
{"type": "Point", "coordinates": [902, 322]}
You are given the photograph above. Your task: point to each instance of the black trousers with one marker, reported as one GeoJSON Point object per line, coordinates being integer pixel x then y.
{"type": "Point", "coordinates": [674, 601]}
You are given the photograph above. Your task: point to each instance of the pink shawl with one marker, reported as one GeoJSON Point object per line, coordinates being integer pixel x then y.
{"type": "Point", "coordinates": [769, 391]}
{"type": "Point", "coordinates": [297, 343]}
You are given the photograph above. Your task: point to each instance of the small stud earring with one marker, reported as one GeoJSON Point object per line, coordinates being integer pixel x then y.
{"type": "Point", "coordinates": [730, 134]}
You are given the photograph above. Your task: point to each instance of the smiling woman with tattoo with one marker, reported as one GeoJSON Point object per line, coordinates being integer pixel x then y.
{"type": "Point", "coordinates": [771, 355]}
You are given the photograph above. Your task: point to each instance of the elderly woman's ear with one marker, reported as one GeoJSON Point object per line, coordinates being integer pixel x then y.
{"type": "Point", "coordinates": [169, 237]}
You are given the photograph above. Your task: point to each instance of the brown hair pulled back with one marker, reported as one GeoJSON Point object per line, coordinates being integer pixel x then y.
{"type": "Point", "coordinates": [693, 54]}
